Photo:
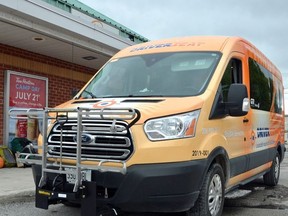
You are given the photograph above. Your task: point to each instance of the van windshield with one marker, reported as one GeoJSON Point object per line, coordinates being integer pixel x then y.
{"type": "Point", "coordinates": [154, 75]}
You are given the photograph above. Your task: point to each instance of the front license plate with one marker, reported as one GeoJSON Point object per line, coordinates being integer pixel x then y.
{"type": "Point", "coordinates": [71, 178]}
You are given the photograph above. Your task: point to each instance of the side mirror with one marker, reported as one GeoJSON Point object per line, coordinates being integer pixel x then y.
{"type": "Point", "coordinates": [238, 101]}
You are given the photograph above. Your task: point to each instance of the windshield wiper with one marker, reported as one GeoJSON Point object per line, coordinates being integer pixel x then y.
{"type": "Point", "coordinates": [130, 96]}
{"type": "Point", "coordinates": [90, 93]}
{"type": "Point", "coordinates": [145, 96]}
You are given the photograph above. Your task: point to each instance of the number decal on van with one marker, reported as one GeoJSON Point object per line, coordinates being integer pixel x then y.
{"type": "Point", "coordinates": [197, 153]}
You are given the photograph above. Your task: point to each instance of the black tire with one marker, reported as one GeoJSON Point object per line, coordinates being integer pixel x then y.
{"type": "Point", "coordinates": [271, 178]}
{"type": "Point", "coordinates": [211, 198]}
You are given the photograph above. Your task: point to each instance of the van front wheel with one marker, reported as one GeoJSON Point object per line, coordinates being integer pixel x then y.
{"type": "Point", "coordinates": [211, 198]}
{"type": "Point", "coordinates": [272, 177]}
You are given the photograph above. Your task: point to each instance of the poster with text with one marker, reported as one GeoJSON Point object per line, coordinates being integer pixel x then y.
{"type": "Point", "coordinates": [25, 92]}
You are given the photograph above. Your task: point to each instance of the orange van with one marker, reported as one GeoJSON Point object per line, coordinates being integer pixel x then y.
{"type": "Point", "coordinates": [165, 126]}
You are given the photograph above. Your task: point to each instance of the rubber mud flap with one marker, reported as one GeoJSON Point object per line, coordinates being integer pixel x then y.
{"type": "Point", "coordinates": [41, 199]}
{"type": "Point", "coordinates": [88, 201]}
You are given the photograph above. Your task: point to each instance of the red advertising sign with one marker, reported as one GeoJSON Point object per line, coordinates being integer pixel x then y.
{"type": "Point", "coordinates": [27, 92]}
{"type": "Point", "coordinates": [24, 91]}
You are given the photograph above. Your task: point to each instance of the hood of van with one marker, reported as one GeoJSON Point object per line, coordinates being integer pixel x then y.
{"type": "Point", "coordinates": [148, 107]}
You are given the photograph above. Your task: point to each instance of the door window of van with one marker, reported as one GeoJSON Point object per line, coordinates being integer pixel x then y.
{"type": "Point", "coordinates": [232, 74]}
{"type": "Point", "coordinates": [162, 74]}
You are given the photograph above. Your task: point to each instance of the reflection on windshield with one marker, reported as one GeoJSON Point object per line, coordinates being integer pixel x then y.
{"type": "Point", "coordinates": [154, 75]}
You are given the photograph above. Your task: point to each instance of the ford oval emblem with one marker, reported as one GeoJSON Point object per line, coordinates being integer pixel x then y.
{"type": "Point", "coordinates": [85, 138]}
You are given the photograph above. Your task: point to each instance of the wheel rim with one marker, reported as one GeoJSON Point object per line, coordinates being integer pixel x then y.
{"type": "Point", "coordinates": [215, 195]}
{"type": "Point", "coordinates": [277, 167]}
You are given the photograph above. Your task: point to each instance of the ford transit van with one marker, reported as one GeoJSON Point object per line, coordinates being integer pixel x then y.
{"type": "Point", "coordinates": [164, 126]}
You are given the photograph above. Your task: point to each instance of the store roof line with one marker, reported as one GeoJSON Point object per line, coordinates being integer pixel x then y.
{"type": "Point", "coordinates": [97, 15]}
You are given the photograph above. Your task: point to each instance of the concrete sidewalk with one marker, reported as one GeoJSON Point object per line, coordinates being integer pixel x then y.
{"type": "Point", "coordinates": [16, 183]}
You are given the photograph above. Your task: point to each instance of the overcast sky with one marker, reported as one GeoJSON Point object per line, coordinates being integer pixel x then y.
{"type": "Point", "coordinates": [262, 22]}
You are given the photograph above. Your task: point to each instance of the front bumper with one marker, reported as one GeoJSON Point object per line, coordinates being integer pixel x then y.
{"type": "Point", "coordinates": [167, 187]}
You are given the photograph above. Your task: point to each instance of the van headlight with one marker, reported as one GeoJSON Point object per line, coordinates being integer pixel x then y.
{"type": "Point", "coordinates": [172, 127]}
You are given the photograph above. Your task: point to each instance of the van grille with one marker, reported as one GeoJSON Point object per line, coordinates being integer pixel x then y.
{"type": "Point", "coordinates": [99, 141]}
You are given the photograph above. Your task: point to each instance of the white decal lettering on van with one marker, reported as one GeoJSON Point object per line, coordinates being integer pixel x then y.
{"type": "Point", "coordinates": [233, 133]}
{"type": "Point", "coordinates": [264, 144]}
{"type": "Point", "coordinates": [209, 130]}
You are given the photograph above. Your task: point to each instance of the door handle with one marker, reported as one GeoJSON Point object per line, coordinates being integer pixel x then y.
{"type": "Point", "coordinates": [245, 120]}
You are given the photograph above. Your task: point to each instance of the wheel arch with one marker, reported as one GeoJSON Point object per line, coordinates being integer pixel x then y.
{"type": "Point", "coordinates": [220, 156]}
{"type": "Point", "coordinates": [281, 149]}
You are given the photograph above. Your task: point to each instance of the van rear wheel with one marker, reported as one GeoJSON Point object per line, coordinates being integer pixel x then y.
{"type": "Point", "coordinates": [272, 177]}
{"type": "Point", "coordinates": [211, 198]}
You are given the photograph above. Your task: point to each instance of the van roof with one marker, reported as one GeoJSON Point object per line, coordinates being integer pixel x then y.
{"type": "Point", "coordinates": [200, 43]}
{"type": "Point", "coordinates": [195, 43]}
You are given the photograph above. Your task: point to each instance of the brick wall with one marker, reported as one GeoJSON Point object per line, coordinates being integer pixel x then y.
{"type": "Point", "coordinates": [63, 77]}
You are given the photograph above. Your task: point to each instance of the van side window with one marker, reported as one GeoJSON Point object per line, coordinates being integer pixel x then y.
{"type": "Point", "coordinates": [278, 103]}
{"type": "Point", "coordinates": [261, 86]}
{"type": "Point", "coordinates": [232, 74]}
